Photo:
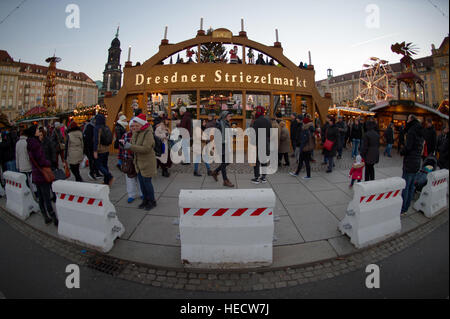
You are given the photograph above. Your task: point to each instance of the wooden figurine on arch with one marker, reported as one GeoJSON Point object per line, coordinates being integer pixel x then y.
{"type": "Point", "coordinates": [189, 54]}
{"type": "Point", "coordinates": [233, 55]}
{"type": "Point", "coordinates": [251, 56]}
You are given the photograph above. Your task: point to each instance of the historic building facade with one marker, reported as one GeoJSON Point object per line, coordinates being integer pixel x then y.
{"type": "Point", "coordinates": [22, 87]}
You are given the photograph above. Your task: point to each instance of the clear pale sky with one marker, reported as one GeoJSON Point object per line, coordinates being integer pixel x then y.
{"type": "Point", "coordinates": [335, 32]}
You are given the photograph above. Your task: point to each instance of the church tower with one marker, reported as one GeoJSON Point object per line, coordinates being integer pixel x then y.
{"type": "Point", "coordinates": [112, 76]}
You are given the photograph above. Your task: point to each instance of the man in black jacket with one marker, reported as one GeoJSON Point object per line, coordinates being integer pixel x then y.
{"type": "Point", "coordinates": [356, 135]}
{"type": "Point", "coordinates": [412, 158]}
{"type": "Point", "coordinates": [261, 122]}
{"type": "Point", "coordinates": [88, 142]}
{"type": "Point", "coordinates": [370, 150]}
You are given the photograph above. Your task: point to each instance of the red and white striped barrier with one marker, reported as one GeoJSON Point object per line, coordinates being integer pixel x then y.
{"type": "Point", "coordinates": [19, 199]}
{"type": "Point", "coordinates": [433, 198]}
{"type": "Point", "coordinates": [226, 228]}
{"type": "Point", "coordinates": [374, 213]}
{"type": "Point", "coordinates": [226, 212]}
{"type": "Point", "coordinates": [86, 214]}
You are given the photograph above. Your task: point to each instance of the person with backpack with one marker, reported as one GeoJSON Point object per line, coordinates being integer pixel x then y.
{"type": "Point", "coordinates": [102, 141]}
{"type": "Point", "coordinates": [143, 146]}
{"type": "Point", "coordinates": [88, 142]}
{"type": "Point", "coordinates": [306, 144]}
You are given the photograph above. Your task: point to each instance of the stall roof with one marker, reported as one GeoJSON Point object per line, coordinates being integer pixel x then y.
{"type": "Point", "coordinates": [422, 106]}
{"type": "Point", "coordinates": [37, 119]}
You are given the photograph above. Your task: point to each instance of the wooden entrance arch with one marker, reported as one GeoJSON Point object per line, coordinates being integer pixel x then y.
{"type": "Point", "coordinates": [155, 77]}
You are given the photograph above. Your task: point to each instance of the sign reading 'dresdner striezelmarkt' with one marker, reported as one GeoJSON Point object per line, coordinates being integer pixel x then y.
{"type": "Point", "coordinates": [222, 77]}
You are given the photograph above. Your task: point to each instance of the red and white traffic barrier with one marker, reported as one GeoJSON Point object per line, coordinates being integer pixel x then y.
{"type": "Point", "coordinates": [86, 214]}
{"type": "Point", "coordinates": [374, 213]}
{"type": "Point", "coordinates": [433, 198]}
{"type": "Point", "coordinates": [19, 199]}
{"type": "Point", "coordinates": [226, 228]}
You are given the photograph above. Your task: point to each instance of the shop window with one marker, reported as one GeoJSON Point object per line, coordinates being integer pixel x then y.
{"type": "Point", "coordinates": [282, 105]}
{"type": "Point", "coordinates": [255, 99]}
{"type": "Point", "coordinates": [187, 99]}
{"type": "Point", "coordinates": [156, 102]}
{"type": "Point", "coordinates": [218, 101]}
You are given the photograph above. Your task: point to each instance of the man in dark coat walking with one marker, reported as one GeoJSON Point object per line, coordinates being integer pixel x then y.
{"type": "Point", "coordinates": [370, 150]}
{"type": "Point", "coordinates": [261, 122]}
{"type": "Point", "coordinates": [88, 144]}
{"type": "Point", "coordinates": [412, 158]}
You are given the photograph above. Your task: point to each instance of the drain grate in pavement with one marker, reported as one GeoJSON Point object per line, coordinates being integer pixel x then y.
{"type": "Point", "coordinates": [106, 264]}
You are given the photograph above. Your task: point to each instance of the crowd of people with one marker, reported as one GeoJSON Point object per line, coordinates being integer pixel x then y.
{"type": "Point", "coordinates": [144, 147]}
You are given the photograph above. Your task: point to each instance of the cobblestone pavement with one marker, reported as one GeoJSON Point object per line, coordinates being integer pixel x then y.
{"type": "Point", "coordinates": [229, 281]}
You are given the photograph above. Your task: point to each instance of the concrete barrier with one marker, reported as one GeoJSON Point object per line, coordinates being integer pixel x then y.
{"type": "Point", "coordinates": [86, 215]}
{"type": "Point", "coordinates": [226, 228]}
{"type": "Point", "coordinates": [374, 213]}
{"type": "Point", "coordinates": [433, 197]}
{"type": "Point", "coordinates": [19, 199]}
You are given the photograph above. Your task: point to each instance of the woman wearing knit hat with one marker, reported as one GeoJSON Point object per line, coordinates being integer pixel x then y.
{"type": "Point", "coordinates": [142, 145]}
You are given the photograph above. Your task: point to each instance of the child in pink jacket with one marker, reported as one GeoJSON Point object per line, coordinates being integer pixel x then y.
{"type": "Point", "coordinates": [356, 171]}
